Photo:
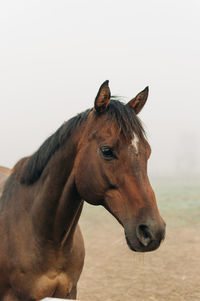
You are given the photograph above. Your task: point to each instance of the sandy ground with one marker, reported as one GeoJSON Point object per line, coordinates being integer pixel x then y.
{"type": "Point", "coordinates": [171, 273]}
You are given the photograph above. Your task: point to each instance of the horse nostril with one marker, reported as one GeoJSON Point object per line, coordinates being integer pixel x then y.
{"type": "Point", "coordinates": [144, 235]}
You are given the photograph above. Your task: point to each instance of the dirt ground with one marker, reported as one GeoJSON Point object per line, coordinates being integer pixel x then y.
{"type": "Point", "coordinates": [171, 273]}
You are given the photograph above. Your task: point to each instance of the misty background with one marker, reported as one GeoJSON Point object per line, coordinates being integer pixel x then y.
{"type": "Point", "coordinates": [54, 55]}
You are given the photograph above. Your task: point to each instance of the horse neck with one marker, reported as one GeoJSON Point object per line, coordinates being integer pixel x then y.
{"type": "Point", "coordinates": [57, 205]}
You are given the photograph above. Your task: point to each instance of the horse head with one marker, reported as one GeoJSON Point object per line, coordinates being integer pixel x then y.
{"type": "Point", "coordinates": [111, 168]}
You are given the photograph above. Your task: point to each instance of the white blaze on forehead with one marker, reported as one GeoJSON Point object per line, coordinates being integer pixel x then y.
{"type": "Point", "coordinates": [135, 142]}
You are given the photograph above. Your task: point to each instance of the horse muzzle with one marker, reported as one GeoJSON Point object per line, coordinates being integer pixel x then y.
{"type": "Point", "coordinates": [145, 237]}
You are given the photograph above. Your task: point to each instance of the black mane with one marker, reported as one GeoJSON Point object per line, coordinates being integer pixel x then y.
{"type": "Point", "coordinates": [28, 170]}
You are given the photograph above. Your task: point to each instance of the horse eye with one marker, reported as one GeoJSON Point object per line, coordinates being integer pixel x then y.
{"type": "Point", "coordinates": [107, 152]}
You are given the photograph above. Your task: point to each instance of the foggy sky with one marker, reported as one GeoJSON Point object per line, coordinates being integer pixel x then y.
{"type": "Point", "coordinates": [54, 55]}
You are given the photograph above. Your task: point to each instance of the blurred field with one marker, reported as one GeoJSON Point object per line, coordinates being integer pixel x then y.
{"type": "Point", "coordinates": [171, 273]}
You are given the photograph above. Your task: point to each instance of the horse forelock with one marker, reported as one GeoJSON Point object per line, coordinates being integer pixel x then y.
{"type": "Point", "coordinates": [125, 119]}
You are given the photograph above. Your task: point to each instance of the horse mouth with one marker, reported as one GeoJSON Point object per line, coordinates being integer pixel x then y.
{"type": "Point", "coordinates": [129, 244]}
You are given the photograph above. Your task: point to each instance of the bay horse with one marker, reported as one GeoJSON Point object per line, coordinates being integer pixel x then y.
{"type": "Point", "coordinates": [99, 156]}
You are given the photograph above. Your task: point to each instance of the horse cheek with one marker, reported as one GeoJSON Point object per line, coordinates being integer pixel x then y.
{"type": "Point", "coordinates": [87, 180]}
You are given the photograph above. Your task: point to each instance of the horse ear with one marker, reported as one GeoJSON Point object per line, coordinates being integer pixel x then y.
{"type": "Point", "coordinates": [139, 101]}
{"type": "Point", "coordinates": [102, 99]}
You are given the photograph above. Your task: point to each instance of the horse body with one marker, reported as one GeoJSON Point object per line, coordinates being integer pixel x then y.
{"type": "Point", "coordinates": [39, 255]}
{"type": "Point", "coordinates": [32, 263]}
{"type": "Point", "coordinates": [100, 156]}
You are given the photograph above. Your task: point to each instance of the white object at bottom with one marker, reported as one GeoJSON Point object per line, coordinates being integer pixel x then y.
{"type": "Point", "coordinates": [56, 299]}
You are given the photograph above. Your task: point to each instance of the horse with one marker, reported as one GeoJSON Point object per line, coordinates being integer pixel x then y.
{"type": "Point", "coordinates": [99, 156]}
